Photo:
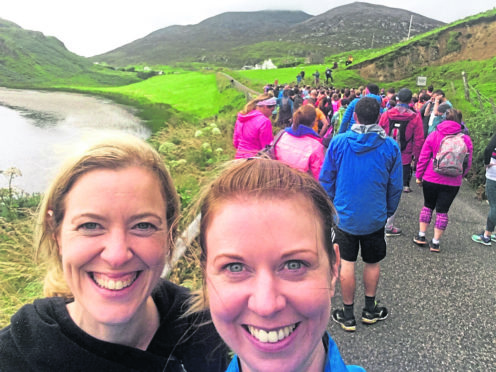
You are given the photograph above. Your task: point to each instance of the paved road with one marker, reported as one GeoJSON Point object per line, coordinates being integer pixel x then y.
{"type": "Point", "coordinates": [442, 306]}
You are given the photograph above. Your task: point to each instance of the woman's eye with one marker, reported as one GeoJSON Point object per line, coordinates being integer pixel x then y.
{"type": "Point", "coordinates": [294, 265]}
{"type": "Point", "coordinates": [89, 226]}
{"type": "Point", "coordinates": [144, 226]}
{"type": "Point", "coordinates": [235, 267]}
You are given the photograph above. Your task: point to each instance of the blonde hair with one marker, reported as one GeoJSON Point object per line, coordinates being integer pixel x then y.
{"type": "Point", "coordinates": [115, 153]}
{"type": "Point", "coordinates": [250, 106]}
{"type": "Point", "coordinates": [262, 178]}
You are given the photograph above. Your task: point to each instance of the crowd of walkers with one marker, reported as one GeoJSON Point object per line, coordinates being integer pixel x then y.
{"type": "Point", "coordinates": [364, 145]}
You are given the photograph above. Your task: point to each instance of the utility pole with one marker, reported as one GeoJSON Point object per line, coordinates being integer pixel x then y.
{"type": "Point", "coordinates": [410, 28]}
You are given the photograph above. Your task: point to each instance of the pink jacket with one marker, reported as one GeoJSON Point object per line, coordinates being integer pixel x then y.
{"type": "Point", "coordinates": [305, 153]}
{"type": "Point", "coordinates": [425, 167]}
{"type": "Point", "coordinates": [252, 132]}
{"type": "Point", "coordinates": [414, 132]}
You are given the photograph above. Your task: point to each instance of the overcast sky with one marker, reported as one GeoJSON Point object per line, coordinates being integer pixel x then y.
{"type": "Point", "coordinates": [93, 27]}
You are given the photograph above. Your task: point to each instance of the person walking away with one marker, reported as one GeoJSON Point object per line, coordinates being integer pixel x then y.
{"type": "Point", "coordinates": [487, 235]}
{"type": "Point", "coordinates": [316, 75]}
{"type": "Point", "coordinates": [300, 146]}
{"type": "Point", "coordinates": [372, 90]}
{"type": "Point", "coordinates": [285, 105]}
{"type": "Point", "coordinates": [362, 176]}
{"type": "Point", "coordinates": [253, 128]}
{"type": "Point", "coordinates": [297, 99]}
{"type": "Point", "coordinates": [405, 126]}
{"type": "Point", "coordinates": [439, 180]}
{"type": "Point", "coordinates": [328, 74]}
{"type": "Point", "coordinates": [338, 115]}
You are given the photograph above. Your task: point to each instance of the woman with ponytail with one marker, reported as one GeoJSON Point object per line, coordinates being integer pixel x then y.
{"type": "Point", "coordinates": [300, 146]}
{"type": "Point", "coordinates": [253, 128]}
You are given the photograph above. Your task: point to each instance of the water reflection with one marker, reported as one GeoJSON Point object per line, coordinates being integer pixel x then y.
{"type": "Point", "coordinates": [36, 142]}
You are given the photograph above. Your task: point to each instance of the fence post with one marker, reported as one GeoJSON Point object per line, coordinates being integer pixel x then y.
{"type": "Point", "coordinates": [465, 84]}
{"type": "Point", "coordinates": [481, 105]}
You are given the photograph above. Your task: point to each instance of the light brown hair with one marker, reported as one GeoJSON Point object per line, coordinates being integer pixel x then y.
{"type": "Point", "coordinates": [305, 115]}
{"type": "Point", "coordinates": [116, 153]}
{"type": "Point", "coordinates": [262, 178]}
{"type": "Point", "coordinates": [250, 106]}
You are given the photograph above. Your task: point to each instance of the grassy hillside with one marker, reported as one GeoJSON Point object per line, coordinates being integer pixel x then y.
{"type": "Point", "coordinates": [30, 59]}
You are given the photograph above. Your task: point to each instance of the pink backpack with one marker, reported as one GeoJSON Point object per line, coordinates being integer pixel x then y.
{"type": "Point", "coordinates": [451, 157]}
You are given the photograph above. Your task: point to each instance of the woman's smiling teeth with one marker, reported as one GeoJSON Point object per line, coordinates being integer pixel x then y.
{"type": "Point", "coordinates": [271, 336]}
{"type": "Point", "coordinates": [114, 284]}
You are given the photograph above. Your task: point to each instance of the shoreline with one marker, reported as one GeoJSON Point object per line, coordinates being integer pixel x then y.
{"type": "Point", "coordinates": [75, 109]}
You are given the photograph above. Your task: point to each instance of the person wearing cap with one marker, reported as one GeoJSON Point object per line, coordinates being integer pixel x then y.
{"type": "Point", "coordinates": [437, 109]}
{"type": "Point", "coordinates": [410, 138]}
{"type": "Point", "coordinates": [253, 128]}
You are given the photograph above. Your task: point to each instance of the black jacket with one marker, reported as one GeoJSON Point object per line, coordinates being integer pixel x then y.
{"type": "Point", "coordinates": [43, 337]}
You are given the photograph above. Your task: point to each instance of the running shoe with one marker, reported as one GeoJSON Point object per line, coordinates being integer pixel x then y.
{"type": "Point", "coordinates": [348, 325]}
{"type": "Point", "coordinates": [420, 240]}
{"type": "Point", "coordinates": [434, 247]}
{"type": "Point", "coordinates": [493, 237]}
{"type": "Point", "coordinates": [481, 239]}
{"type": "Point", "coordinates": [393, 231]}
{"type": "Point", "coordinates": [379, 313]}
{"type": "Point", "coordinates": [407, 189]}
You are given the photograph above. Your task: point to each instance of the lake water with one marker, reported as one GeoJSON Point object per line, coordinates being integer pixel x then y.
{"type": "Point", "coordinates": [36, 142]}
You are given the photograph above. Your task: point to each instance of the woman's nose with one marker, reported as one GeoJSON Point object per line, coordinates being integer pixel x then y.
{"type": "Point", "coordinates": [117, 250]}
{"type": "Point", "coordinates": [266, 298]}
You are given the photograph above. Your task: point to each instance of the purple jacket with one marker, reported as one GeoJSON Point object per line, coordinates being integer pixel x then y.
{"type": "Point", "coordinates": [425, 167]}
{"type": "Point", "coordinates": [414, 132]}
{"type": "Point", "coordinates": [252, 132]}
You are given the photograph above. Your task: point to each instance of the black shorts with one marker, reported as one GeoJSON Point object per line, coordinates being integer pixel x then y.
{"type": "Point", "coordinates": [373, 246]}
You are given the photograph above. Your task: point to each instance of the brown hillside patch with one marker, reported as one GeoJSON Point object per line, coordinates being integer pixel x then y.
{"type": "Point", "coordinates": [475, 42]}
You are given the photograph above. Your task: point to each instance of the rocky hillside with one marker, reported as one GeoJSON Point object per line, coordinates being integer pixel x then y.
{"type": "Point", "coordinates": [235, 39]}
{"type": "Point", "coordinates": [467, 40]}
{"type": "Point", "coordinates": [360, 26]}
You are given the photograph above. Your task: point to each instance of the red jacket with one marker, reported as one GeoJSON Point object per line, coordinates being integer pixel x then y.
{"type": "Point", "coordinates": [414, 133]}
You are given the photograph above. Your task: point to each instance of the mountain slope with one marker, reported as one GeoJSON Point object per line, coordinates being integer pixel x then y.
{"type": "Point", "coordinates": [237, 38]}
{"type": "Point", "coordinates": [29, 58]}
{"type": "Point", "coordinates": [362, 25]}
{"type": "Point", "coordinates": [208, 40]}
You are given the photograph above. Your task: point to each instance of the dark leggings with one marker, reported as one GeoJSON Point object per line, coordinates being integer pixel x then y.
{"type": "Point", "coordinates": [407, 174]}
{"type": "Point", "coordinates": [439, 197]}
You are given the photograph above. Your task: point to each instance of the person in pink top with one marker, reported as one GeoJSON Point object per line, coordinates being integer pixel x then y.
{"type": "Point", "coordinates": [300, 146]}
{"type": "Point", "coordinates": [253, 128]}
{"type": "Point", "coordinates": [439, 190]}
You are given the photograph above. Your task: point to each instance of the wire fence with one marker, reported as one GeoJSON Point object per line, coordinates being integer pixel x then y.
{"type": "Point", "coordinates": [482, 101]}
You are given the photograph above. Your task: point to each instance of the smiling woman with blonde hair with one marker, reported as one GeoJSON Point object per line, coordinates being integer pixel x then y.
{"type": "Point", "coordinates": [106, 228]}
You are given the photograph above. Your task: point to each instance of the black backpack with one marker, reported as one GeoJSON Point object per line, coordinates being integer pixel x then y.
{"type": "Point", "coordinates": [400, 136]}
{"type": "Point", "coordinates": [285, 106]}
